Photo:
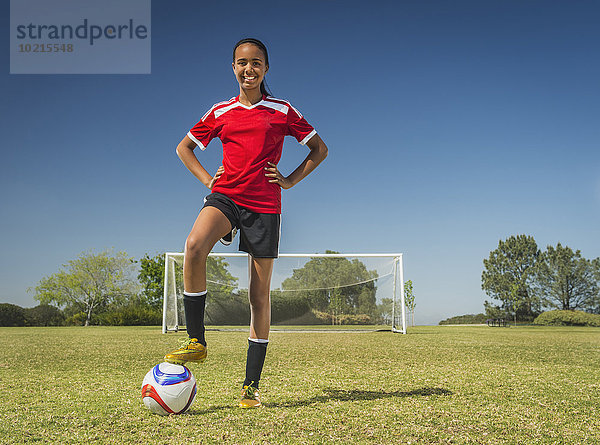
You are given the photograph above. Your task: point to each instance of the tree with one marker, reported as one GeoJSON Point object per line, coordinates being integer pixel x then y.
{"type": "Point", "coordinates": [409, 299]}
{"type": "Point", "coordinates": [465, 319]}
{"type": "Point", "coordinates": [595, 303]}
{"type": "Point", "coordinates": [493, 311]}
{"type": "Point", "coordinates": [566, 280]}
{"type": "Point", "coordinates": [384, 310]}
{"type": "Point", "coordinates": [224, 305]}
{"type": "Point", "coordinates": [44, 315]}
{"type": "Point", "coordinates": [151, 276]}
{"type": "Point", "coordinates": [288, 307]}
{"type": "Point", "coordinates": [89, 282]}
{"type": "Point", "coordinates": [508, 275]}
{"type": "Point", "coordinates": [329, 284]}
{"type": "Point", "coordinates": [11, 315]}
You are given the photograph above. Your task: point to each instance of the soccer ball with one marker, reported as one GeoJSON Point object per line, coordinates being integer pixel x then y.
{"type": "Point", "coordinates": [168, 389]}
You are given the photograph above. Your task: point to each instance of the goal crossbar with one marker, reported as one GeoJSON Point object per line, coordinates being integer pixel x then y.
{"type": "Point", "coordinates": [302, 255]}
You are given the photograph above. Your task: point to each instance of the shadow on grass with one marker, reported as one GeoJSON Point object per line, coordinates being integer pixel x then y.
{"type": "Point", "coordinates": [358, 394]}
{"type": "Point", "coordinates": [341, 395]}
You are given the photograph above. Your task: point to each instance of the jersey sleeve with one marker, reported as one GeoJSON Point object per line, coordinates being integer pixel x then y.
{"type": "Point", "coordinates": [298, 127]}
{"type": "Point", "coordinates": [204, 131]}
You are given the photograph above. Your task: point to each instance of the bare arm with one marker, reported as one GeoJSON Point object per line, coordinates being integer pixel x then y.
{"type": "Point", "coordinates": [185, 151]}
{"type": "Point", "coordinates": [318, 152]}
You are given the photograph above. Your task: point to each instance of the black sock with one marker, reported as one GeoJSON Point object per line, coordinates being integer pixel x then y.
{"type": "Point", "coordinates": [194, 315]}
{"type": "Point", "coordinates": [254, 362]}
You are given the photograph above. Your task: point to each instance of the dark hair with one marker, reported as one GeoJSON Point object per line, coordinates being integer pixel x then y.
{"type": "Point", "coordinates": [263, 85]}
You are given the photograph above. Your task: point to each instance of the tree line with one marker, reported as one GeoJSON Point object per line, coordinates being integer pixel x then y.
{"type": "Point", "coordinates": [111, 288]}
{"type": "Point", "coordinates": [524, 281]}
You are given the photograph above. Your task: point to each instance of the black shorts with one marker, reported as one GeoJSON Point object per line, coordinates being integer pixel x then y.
{"type": "Point", "coordinates": [259, 232]}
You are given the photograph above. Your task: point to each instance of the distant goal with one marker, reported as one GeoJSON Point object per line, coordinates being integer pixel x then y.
{"type": "Point", "coordinates": [343, 290]}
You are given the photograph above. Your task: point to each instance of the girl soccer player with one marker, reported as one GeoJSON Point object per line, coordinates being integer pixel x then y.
{"type": "Point", "coordinates": [245, 196]}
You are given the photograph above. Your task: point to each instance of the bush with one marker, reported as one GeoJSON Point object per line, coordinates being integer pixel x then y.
{"type": "Point", "coordinates": [307, 319]}
{"type": "Point", "coordinates": [322, 317]}
{"type": "Point", "coordinates": [354, 319]}
{"type": "Point", "coordinates": [44, 315]}
{"type": "Point", "coordinates": [77, 319]}
{"type": "Point", "coordinates": [230, 309]}
{"type": "Point", "coordinates": [132, 315]}
{"type": "Point", "coordinates": [567, 318]}
{"type": "Point", "coordinates": [11, 315]}
{"type": "Point", "coordinates": [288, 307]}
{"type": "Point", "coordinates": [344, 319]}
{"type": "Point", "coordinates": [465, 319]}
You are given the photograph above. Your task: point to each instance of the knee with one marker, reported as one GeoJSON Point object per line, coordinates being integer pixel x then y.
{"type": "Point", "coordinates": [260, 303]}
{"type": "Point", "coordinates": [196, 247]}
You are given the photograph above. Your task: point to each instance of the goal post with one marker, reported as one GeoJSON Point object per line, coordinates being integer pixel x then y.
{"type": "Point", "coordinates": [306, 289]}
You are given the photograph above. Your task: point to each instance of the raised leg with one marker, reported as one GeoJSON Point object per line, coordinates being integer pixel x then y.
{"type": "Point", "coordinates": [210, 226]}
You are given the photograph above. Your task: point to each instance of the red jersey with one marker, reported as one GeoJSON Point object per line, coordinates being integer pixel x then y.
{"type": "Point", "coordinates": [251, 137]}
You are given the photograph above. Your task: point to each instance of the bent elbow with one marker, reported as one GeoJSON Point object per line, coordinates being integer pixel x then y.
{"type": "Point", "coordinates": [324, 151]}
{"type": "Point", "coordinates": [179, 151]}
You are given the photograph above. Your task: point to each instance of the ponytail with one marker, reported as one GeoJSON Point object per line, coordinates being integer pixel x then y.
{"type": "Point", "coordinates": [264, 89]}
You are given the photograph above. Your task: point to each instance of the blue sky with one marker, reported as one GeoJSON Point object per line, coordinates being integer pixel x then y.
{"type": "Point", "coordinates": [450, 125]}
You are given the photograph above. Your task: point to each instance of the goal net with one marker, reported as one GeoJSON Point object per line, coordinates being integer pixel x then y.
{"type": "Point", "coordinates": [306, 289]}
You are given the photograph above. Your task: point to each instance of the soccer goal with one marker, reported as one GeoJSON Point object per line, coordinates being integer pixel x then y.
{"type": "Point", "coordinates": [306, 289]}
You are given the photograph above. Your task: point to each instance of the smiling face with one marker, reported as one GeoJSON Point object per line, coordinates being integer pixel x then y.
{"type": "Point", "coordinates": [249, 66]}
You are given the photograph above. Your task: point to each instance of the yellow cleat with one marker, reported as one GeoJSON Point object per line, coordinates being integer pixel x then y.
{"type": "Point", "coordinates": [189, 351]}
{"type": "Point", "coordinates": [250, 397]}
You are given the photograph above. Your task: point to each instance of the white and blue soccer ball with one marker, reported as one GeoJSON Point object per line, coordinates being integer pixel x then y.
{"type": "Point", "coordinates": [168, 389]}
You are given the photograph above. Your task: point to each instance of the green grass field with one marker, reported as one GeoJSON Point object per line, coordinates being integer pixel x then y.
{"type": "Point", "coordinates": [452, 384]}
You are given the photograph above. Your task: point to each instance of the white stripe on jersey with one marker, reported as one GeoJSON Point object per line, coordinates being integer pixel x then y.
{"type": "Point", "coordinates": [276, 106]}
{"type": "Point", "coordinates": [198, 143]}
{"type": "Point", "coordinates": [287, 103]}
{"type": "Point", "coordinates": [269, 102]}
{"type": "Point", "coordinates": [308, 136]}
{"type": "Point", "coordinates": [224, 110]}
{"type": "Point", "coordinates": [215, 106]}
